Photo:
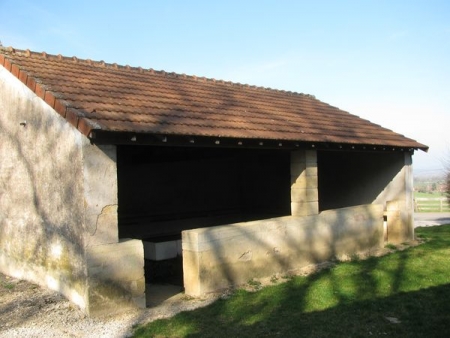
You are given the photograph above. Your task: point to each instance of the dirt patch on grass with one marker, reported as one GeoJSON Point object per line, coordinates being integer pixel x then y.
{"type": "Point", "coordinates": [28, 310]}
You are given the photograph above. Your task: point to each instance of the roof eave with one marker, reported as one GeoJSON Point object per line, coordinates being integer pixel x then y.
{"type": "Point", "coordinates": [103, 137]}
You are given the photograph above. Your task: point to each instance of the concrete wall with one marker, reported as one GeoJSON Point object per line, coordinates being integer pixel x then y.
{"type": "Point", "coordinates": [58, 203]}
{"type": "Point", "coordinates": [218, 257]}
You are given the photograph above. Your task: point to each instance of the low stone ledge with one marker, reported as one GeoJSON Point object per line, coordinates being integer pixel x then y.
{"type": "Point", "coordinates": [218, 257]}
{"type": "Point", "coordinates": [115, 277]}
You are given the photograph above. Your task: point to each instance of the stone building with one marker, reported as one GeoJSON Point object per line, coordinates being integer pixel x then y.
{"type": "Point", "coordinates": [106, 169]}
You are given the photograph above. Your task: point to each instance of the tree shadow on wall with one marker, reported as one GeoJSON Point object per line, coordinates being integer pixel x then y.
{"type": "Point", "coordinates": [41, 225]}
{"type": "Point", "coordinates": [393, 296]}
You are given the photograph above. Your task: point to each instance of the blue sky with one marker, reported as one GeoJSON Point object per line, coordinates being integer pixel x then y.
{"type": "Point", "coordinates": [385, 61]}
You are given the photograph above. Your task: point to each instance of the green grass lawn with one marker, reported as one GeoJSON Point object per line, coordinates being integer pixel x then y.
{"type": "Point", "coordinates": [429, 195]}
{"type": "Point", "coordinates": [431, 205]}
{"type": "Point", "coordinates": [404, 294]}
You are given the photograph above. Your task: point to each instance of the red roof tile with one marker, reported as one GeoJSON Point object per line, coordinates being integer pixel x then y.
{"type": "Point", "coordinates": [98, 96]}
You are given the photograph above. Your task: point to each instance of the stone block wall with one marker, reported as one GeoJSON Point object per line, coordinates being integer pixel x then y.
{"type": "Point", "coordinates": [399, 222]}
{"type": "Point", "coordinates": [115, 277]}
{"type": "Point", "coordinates": [304, 183]}
{"type": "Point", "coordinates": [397, 198]}
{"type": "Point", "coordinates": [218, 257]}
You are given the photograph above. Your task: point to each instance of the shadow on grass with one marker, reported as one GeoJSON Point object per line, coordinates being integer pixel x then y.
{"type": "Point", "coordinates": [424, 313]}
{"type": "Point", "coordinates": [405, 294]}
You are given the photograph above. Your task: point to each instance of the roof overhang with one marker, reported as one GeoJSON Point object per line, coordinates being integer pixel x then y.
{"type": "Point", "coordinates": [100, 137]}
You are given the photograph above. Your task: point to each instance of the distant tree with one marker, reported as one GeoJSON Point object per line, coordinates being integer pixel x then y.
{"type": "Point", "coordinates": [433, 186]}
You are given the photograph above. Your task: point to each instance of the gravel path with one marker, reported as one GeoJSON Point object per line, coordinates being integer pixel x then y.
{"type": "Point", "coordinates": [27, 310]}
{"type": "Point", "coordinates": [427, 219]}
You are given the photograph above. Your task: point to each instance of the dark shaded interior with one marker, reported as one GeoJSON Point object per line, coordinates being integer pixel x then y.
{"type": "Point", "coordinates": [164, 190]}
{"type": "Point", "coordinates": [354, 178]}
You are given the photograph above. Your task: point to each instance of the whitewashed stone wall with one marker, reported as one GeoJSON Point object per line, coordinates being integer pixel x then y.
{"type": "Point", "coordinates": [58, 206]}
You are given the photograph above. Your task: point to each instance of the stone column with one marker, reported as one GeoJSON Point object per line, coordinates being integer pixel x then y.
{"type": "Point", "coordinates": [100, 194]}
{"type": "Point", "coordinates": [304, 183]}
{"type": "Point", "coordinates": [115, 268]}
{"type": "Point", "coordinates": [409, 187]}
{"type": "Point", "coordinates": [400, 211]}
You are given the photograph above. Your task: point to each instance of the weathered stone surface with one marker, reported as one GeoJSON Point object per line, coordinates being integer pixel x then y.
{"type": "Point", "coordinates": [116, 277]}
{"type": "Point", "coordinates": [304, 208]}
{"type": "Point", "coordinates": [399, 225]}
{"type": "Point", "coordinates": [58, 199]}
{"type": "Point", "coordinates": [397, 198]}
{"type": "Point", "coordinates": [304, 195]}
{"type": "Point", "coordinates": [100, 194]}
{"type": "Point", "coordinates": [304, 183]}
{"type": "Point", "coordinates": [42, 215]}
{"type": "Point", "coordinates": [218, 257]}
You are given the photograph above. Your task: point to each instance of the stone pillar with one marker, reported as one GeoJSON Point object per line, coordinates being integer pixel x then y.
{"type": "Point", "coordinates": [100, 194]}
{"type": "Point", "coordinates": [409, 188]}
{"type": "Point", "coordinates": [115, 269]}
{"type": "Point", "coordinates": [304, 183]}
{"type": "Point", "coordinates": [400, 211]}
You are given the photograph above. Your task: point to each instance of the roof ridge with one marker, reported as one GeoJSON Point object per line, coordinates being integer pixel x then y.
{"type": "Point", "coordinates": [101, 63]}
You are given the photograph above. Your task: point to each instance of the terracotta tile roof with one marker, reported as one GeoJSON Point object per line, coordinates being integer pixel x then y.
{"type": "Point", "coordinates": [112, 98]}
